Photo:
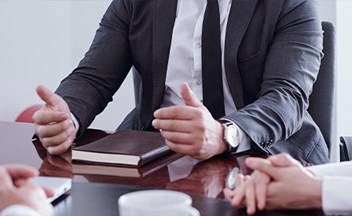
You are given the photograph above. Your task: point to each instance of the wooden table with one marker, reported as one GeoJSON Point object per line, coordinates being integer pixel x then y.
{"type": "Point", "coordinates": [203, 180]}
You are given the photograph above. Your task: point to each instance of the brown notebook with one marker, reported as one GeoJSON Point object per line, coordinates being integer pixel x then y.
{"type": "Point", "coordinates": [124, 171]}
{"type": "Point", "coordinates": [123, 147]}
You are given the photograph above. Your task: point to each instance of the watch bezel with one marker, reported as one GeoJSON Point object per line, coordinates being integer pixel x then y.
{"type": "Point", "coordinates": [231, 136]}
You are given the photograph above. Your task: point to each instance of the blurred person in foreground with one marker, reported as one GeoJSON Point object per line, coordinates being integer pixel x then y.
{"type": "Point", "coordinates": [18, 196]}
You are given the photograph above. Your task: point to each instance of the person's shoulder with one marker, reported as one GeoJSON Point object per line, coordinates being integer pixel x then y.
{"type": "Point", "coordinates": [132, 4]}
{"type": "Point", "coordinates": [297, 7]}
{"type": "Point", "coordinates": [291, 4]}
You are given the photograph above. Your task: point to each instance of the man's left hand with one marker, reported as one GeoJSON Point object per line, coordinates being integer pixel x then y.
{"type": "Point", "coordinates": [190, 129]}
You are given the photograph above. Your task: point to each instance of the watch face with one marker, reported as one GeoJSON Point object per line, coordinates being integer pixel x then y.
{"type": "Point", "coordinates": [231, 136]}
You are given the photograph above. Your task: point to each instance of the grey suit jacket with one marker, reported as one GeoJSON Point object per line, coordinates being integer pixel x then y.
{"type": "Point", "coordinates": [272, 56]}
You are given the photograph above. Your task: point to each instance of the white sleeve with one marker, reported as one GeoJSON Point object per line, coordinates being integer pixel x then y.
{"type": "Point", "coordinates": [18, 210]}
{"type": "Point", "coordinates": [336, 195]}
{"type": "Point", "coordinates": [332, 169]}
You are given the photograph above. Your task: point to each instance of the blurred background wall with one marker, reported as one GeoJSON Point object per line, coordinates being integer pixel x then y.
{"type": "Point", "coordinates": [41, 41]}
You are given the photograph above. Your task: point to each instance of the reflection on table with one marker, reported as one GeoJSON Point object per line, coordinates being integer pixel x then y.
{"type": "Point", "coordinates": [204, 180]}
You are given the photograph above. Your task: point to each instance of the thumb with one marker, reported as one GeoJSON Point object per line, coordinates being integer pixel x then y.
{"type": "Point", "coordinates": [50, 98]}
{"type": "Point", "coordinates": [189, 97]}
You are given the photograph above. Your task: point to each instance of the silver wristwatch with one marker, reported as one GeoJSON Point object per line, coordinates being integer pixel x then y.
{"type": "Point", "coordinates": [231, 136]}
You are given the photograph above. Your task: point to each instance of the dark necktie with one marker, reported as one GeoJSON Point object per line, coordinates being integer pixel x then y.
{"type": "Point", "coordinates": [213, 97]}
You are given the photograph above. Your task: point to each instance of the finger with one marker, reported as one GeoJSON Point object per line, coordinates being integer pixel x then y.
{"type": "Point", "coordinates": [175, 112]}
{"type": "Point", "coordinates": [239, 190]}
{"type": "Point", "coordinates": [47, 96]}
{"type": "Point", "coordinates": [58, 140]}
{"type": "Point", "coordinates": [59, 149]}
{"type": "Point", "coordinates": [262, 165]}
{"type": "Point", "coordinates": [63, 139]}
{"type": "Point", "coordinates": [21, 171]}
{"type": "Point", "coordinates": [178, 137]}
{"type": "Point", "coordinates": [283, 160]}
{"type": "Point", "coordinates": [5, 180]}
{"type": "Point", "coordinates": [173, 125]}
{"type": "Point", "coordinates": [261, 183]}
{"type": "Point", "coordinates": [250, 195]}
{"type": "Point", "coordinates": [44, 117]}
{"type": "Point", "coordinates": [55, 129]}
{"type": "Point", "coordinates": [24, 184]}
{"type": "Point", "coordinates": [189, 97]}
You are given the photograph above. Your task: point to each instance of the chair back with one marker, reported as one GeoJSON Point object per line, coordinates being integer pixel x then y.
{"type": "Point", "coordinates": [323, 98]}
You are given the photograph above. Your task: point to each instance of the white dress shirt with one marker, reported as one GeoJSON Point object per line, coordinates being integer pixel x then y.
{"type": "Point", "coordinates": [336, 187]}
{"type": "Point", "coordinates": [185, 60]}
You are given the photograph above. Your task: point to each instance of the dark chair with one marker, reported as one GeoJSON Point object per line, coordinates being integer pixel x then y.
{"type": "Point", "coordinates": [136, 85]}
{"type": "Point", "coordinates": [345, 148]}
{"type": "Point", "coordinates": [322, 100]}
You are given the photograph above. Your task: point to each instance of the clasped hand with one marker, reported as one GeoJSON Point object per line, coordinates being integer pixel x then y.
{"type": "Point", "coordinates": [16, 189]}
{"type": "Point", "coordinates": [279, 182]}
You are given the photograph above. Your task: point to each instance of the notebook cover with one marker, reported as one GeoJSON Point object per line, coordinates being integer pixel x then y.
{"type": "Point", "coordinates": [125, 147]}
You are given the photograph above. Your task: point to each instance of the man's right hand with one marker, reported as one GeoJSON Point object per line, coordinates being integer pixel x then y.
{"type": "Point", "coordinates": [53, 124]}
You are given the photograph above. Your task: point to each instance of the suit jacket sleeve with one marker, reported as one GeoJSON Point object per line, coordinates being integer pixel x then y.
{"type": "Point", "coordinates": [90, 87]}
{"type": "Point", "coordinates": [290, 70]}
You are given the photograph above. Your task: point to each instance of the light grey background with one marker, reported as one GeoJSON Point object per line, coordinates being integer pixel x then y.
{"type": "Point", "coordinates": [41, 41]}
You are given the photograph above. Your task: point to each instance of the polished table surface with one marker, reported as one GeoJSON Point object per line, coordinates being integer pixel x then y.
{"type": "Point", "coordinates": [203, 180]}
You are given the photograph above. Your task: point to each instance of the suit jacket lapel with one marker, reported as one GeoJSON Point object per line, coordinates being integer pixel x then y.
{"type": "Point", "coordinates": [238, 21]}
{"type": "Point", "coordinates": [163, 22]}
{"type": "Point", "coordinates": [164, 13]}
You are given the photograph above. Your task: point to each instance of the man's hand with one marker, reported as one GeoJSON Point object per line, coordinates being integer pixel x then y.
{"type": "Point", "coordinates": [271, 182]}
{"type": "Point", "coordinates": [53, 123]}
{"type": "Point", "coordinates": [288, 177]}
{"type": "Point", "coordinates": [15, 188]}
{"type": "Point", "coordinates": [190, 129]}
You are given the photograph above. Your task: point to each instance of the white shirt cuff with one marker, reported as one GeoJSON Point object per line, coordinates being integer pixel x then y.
{"type": "Point", "coordinates": [336, 195]}
{"type": "Point", "coordinates": [18, 210]}
{"type": "Point", "coordinates": [75, 122]}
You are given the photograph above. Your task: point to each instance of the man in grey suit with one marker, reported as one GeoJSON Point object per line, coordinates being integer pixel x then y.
{"type": "Point", "coordinates": [271, 52]}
